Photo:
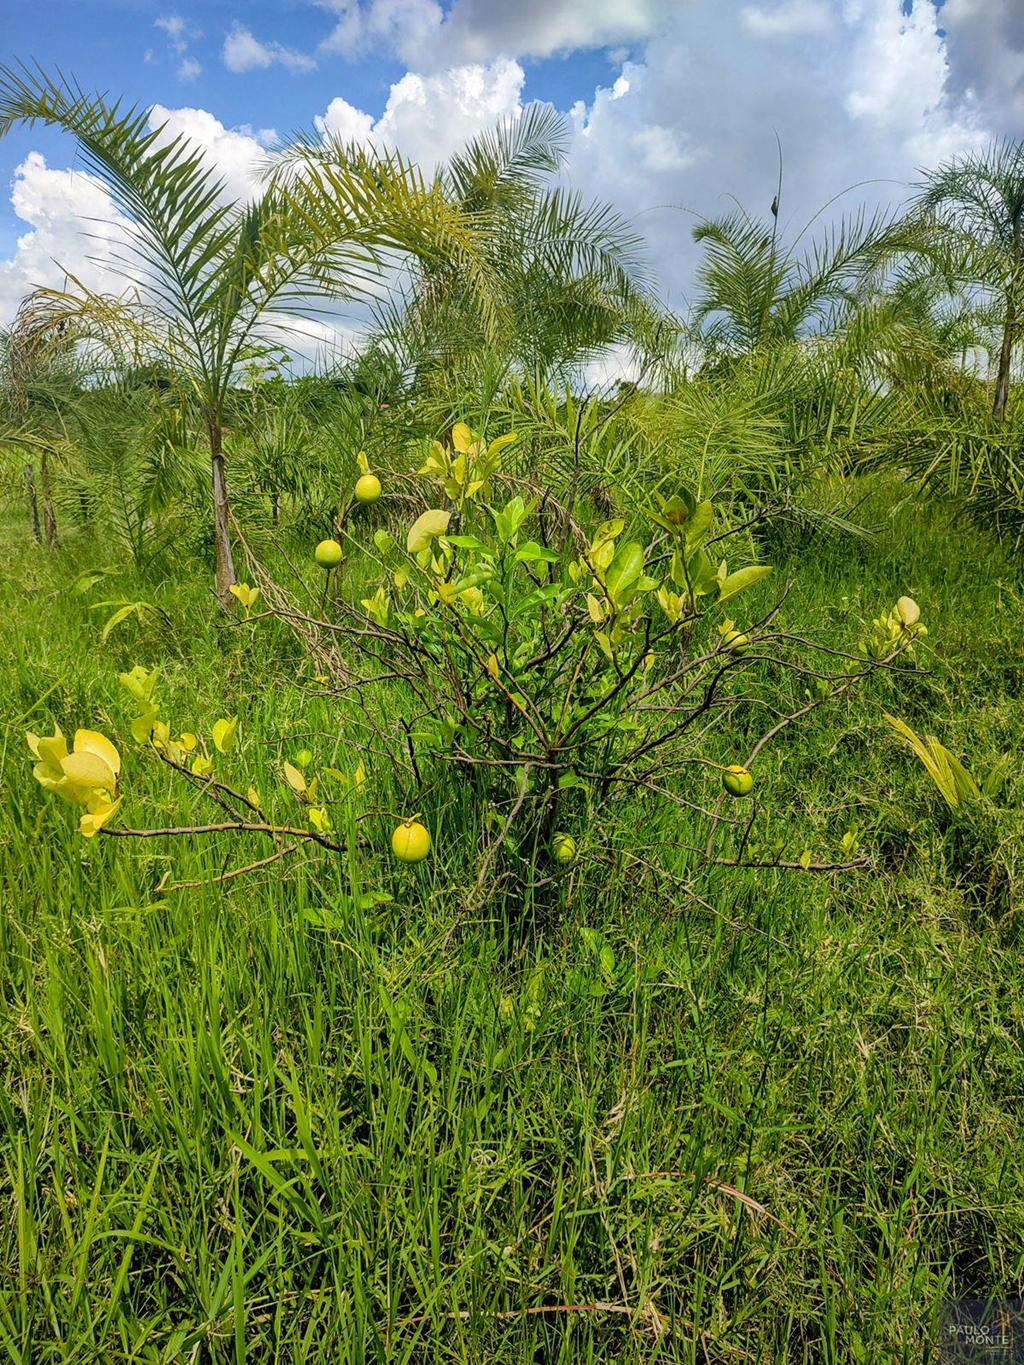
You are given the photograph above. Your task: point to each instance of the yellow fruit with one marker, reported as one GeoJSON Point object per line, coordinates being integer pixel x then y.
{"type": "Point", "coordinates": [737, 781]}
{"type": "Point", "coordinates": [410, 842]}
{"type": "Point", "coordinates": [328, 554]}
{"type": "Point", "coordinates": [565, 848]}
{"type": "Point", "coordinates": [367, 488]}
{"type": "Point", "coordinates": [736, 641]}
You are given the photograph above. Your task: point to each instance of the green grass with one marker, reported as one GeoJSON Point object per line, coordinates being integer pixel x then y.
{"type": "Point", "coordinates": [282, 1119]}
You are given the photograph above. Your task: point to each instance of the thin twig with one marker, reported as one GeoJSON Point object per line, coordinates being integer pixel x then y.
{"type": "Point", "coordinates": [227, 876]}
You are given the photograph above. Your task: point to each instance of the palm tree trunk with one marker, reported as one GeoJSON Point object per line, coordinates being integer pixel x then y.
{"type": "Point", "coordinates": [221, 514]}
{"type": "Point", "coordinates": [33, 503]}
{"type": "Point", "coordinates": [49, 516]}
{"type": "Point", "coordinates": [1005, 355]}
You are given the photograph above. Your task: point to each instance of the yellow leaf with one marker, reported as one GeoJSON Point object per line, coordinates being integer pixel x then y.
{"type": "Point", "coordinates": [425, 528]}
{"type": "Point", "coordinates": [362, 462]}
{"type": "Point", "coordinates": [908, 611]}
{"type": "Point", "coordinates": [225, 732]}
{"type": "Point", "coordinates": [360, 774]}
{"type": "Point", "coordinates": [94, 820]}
{"type": "Point", "coordinates": [188, 741]}
{"type": "Point", "coordinates": [462, 437]}
{"type": "Point", "coordinates": [318, 818]}
{"type": "Point", "coordinates": [202, 766]}
{"type": "Point", "coordinates": [48, 749]}
{"type": "Point", "coordinates": [294, 779]}
{"type": "Point", "coordinates": [89, 771]}
{"type": "Point", "coordinates": [492, 666]}
{"type": "Point", "coordinates": [254, 797]}
{"type": "Point", "coordinates": [90, 742]}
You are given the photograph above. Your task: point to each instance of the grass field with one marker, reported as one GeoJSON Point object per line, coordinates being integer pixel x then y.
{"type": "Point", "coordinates": [325, 1112]}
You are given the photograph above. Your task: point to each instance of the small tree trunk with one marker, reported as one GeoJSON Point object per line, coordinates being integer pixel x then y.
{"type": "Point", "coordinates": [49, 516]}
{"type": "Point", "coordinates": [1005, 356]}
{"type": "Point", "coordinates": [33, 504]}
{"type": "Point", "coordinates": [221, 515]}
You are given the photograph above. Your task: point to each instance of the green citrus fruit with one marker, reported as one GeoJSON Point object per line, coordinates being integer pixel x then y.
{"type": "Point", "coordinates": [328, 554]}
{"type": "Point", "coordinates": [737, 781]}
{"type": "Point", "coordinates": [736, 641]}
{"type": "Point", "coordinates": [410, 842]}
{"type": "Point", "coordinates": [565, 848]}
{"type": "Point", "coordinates": [367, 488]}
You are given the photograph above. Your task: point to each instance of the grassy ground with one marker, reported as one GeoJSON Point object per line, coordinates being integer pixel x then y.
{"type": "Point", "coordinates": [283, 1118]}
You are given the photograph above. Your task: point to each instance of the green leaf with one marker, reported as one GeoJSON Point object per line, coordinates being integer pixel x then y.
{"type": "Point", "coordinates": [735, 583]}
{"type": "Point", "coordinates": [698, 526]}
{"type": "Point", "coordinates": [465, 542]}
{"type": "Point", "coordinates": [624, 570]}
{"type": "Point", "coordinates": [997, 775]}
{"type": "Point", "coordinates": [119, 616]}
{"type": "Point", "coordinates": [954, 782]}
{"type": "Point", "coordinates": [532, 553]}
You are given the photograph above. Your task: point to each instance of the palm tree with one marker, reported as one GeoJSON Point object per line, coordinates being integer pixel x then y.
{"type": "Point", "coordinates": [568, 274]}
{"type": "Point", "coordinates": [203, 273]}
{"type": "Point", "coordinates": [755, 292]}
{"type": "Point", "coordinates": [972, 211]}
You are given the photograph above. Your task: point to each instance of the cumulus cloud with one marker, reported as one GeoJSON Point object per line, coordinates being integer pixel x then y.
{"type": "Point", "coordinates": [73, 227]}
{"type": "Point", "coordinates": [424, 34]}
{"type": "Point", "coordinates": [242, 52]}
{"type": "Point", "coordinates": [861, 94]}
{"type": "Point", "coordinates": [863, 98]}
{"type": "Point", "coordinates": [236, 153]}
{"type": "Point", "coordinates": [429, 117]}
{"type": "Point", "coordinates": [985, 46]}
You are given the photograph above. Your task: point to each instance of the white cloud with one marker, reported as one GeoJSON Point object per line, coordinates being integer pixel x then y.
{"type": "Point", "coordinates": [870, 97]}
{"type": "Point", "coordinates": [242, 52]}
{"type": "Point", "coordinates": [792, 16]}
{"type": "Point", "coordinates": [174, 26]}
{"type": "Point", "coordinates": [424, 35]}
{"type": "Point", "coordinates": [985, 47]}
{"type": "Point", "coordinates": [429, 117]}
{"type": "Point", "coordinates": [178, 35]}
{"type": "Point", "coordinates": [235, 152]}
{"type": "Point", "coordinates": [72, 227]}
{"type": "Point", "coordinates": [899, 76]}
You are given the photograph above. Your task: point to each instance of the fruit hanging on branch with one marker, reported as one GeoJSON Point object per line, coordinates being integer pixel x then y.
{"type": "Point", "coordinates": [737, 781]}
{"type": "Point", "coordinates": [410, 842]}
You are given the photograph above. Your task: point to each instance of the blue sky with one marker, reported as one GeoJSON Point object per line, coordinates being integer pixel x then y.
{"type": "Point", "coordinates": [673, 104]}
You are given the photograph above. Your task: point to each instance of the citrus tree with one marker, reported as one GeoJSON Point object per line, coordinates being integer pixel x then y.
{"type": "Point", "coordinates": [546, 681]}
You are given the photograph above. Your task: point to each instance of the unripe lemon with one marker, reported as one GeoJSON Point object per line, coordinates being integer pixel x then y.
{"type": "Point", "coordinates": [328, 554]}
{"type": "Point", "coordinates": [367, 488]}
{"type": "Point", "coordinates": [565, 848]}
{"type": "Point", "coordinates": [737, 781]}
{"type": "Point", "coordinates": [410, 842]}
{"type": "Point", "coordinates": [736, 641]}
